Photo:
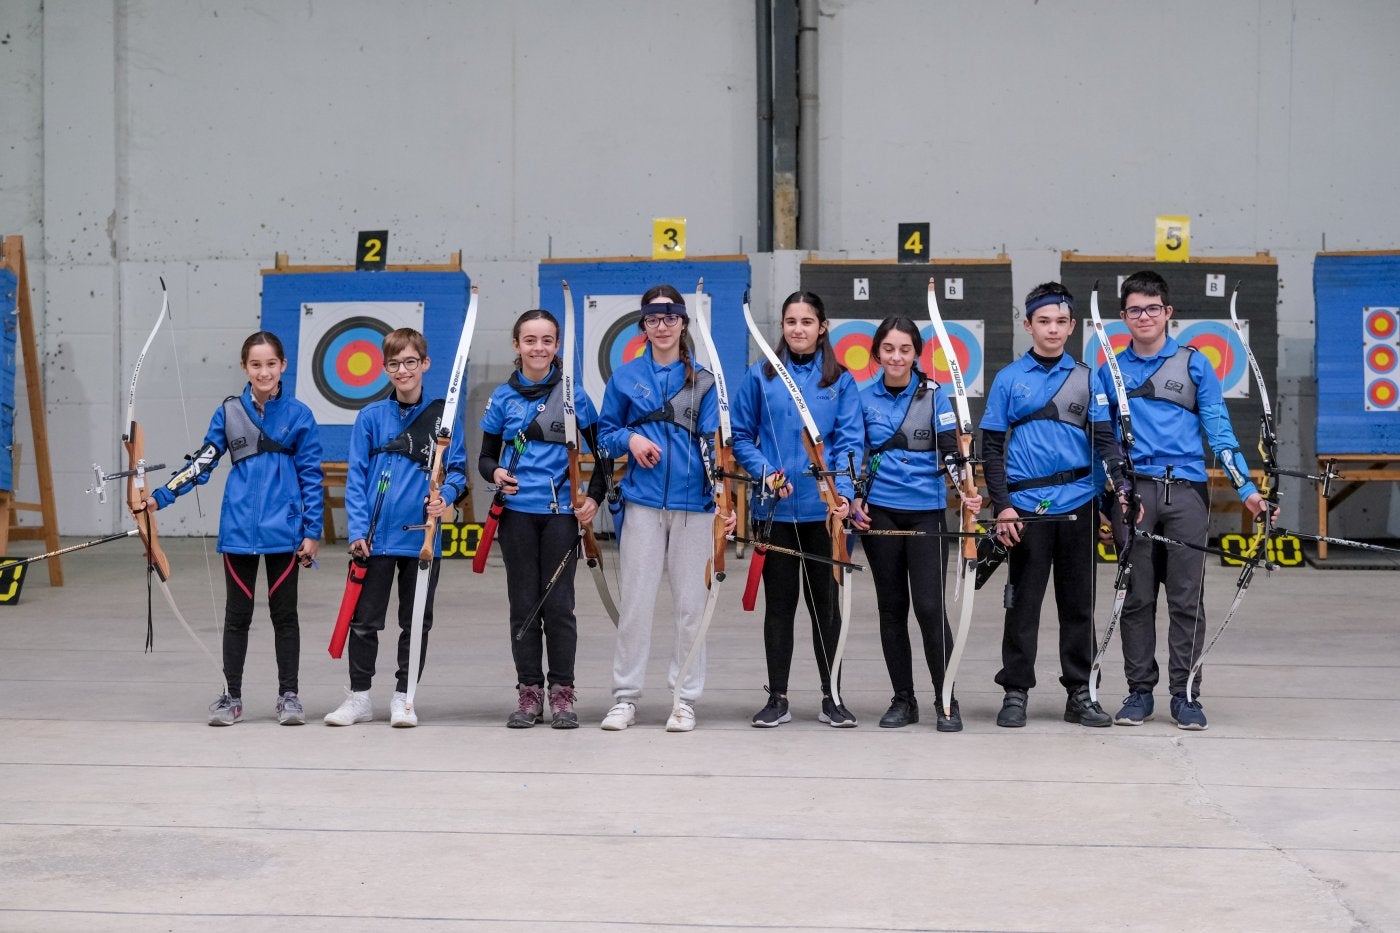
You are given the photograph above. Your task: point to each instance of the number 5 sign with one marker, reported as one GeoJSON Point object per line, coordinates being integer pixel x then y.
{"type": "Point", "coordinates": [1173, 238]}
{"type": "Point", "coordinates": [668, 238]}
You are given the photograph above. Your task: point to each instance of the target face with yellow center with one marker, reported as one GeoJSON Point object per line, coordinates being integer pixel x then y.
{"type": "Point", "coordinates": [1222, 349]}
{"type": "Point", "coordinates": [851, 339]}
{"type": "Point", "coordinates": [340, 350]}
{"type": "Point", "coordinates": [1380, 338]}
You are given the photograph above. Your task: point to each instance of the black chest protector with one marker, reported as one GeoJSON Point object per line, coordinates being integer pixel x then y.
{"type": "Point", "coordinates": [1069, 404]}
{"type": "Point", "coordinates": [1171, 381]}
{"type": "Point", "coordinates": [916, 431]}
{"type": "Point", "coordinates": [244, 435]}
{"type": "Point", "coordinates": [686, 414]}
{"type": "Point", "coordinates": [548, 423]}
{"type": "Point", "coordinates": [416, 441]}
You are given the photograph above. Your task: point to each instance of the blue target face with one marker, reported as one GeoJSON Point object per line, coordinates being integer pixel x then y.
{"type": "Point", "coordinates": [348, 363]}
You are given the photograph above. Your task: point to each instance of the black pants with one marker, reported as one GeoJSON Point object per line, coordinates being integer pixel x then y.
{"type": "Point", "coordinates": [1067, 549]}
{"type": "Point", "coordinates": [371, 610]}
{"type": "Point", "coordinates": [783, 576]}
{"type": "Point", "coordinates": [240, 577]}
{"type": "Point", "coordinates": [910, 571]}
{"type": "Point", "coordinates": [533, 547]}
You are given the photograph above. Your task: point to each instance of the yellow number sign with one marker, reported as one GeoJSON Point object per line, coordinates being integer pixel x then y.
{"type": "Point", "coordinates": [1173, 238]}
{"type": "Point", "coordinates": [668, 238]}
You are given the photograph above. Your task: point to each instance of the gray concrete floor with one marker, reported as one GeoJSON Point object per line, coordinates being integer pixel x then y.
{"type": "Point", "coordinates": [121, 810]}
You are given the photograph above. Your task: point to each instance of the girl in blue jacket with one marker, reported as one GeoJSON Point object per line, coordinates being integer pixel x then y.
{"type": "Point", "coordinates": [539, 524]}
{"type": "Point", "coordinates": [768, 433]}
{"type": "Point", "coordinates": [910, 429]}
{"type": "Point", "coordinates": [272, 509]}
{"type": "Point", "coordinates": [658, 408]}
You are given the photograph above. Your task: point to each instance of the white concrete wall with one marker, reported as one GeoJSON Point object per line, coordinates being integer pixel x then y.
{"type": "Point", "coordinates": [193, 140]}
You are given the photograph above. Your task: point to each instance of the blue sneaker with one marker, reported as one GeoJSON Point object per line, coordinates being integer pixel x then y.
{"type": "Point", "coordinates": [1188, 715]}
{"type": "Point", "coordinates": [1137, 709]}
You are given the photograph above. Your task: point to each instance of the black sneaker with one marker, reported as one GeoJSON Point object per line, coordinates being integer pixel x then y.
{"type": "Point", "coordinates": [1013, 709]}
{"type": "Point", "coordinates": [775, 713]}
{"type": "Point", "coordinates": [836, 715]}
{"type": "Point", "coordinates": [1079, 708]}
{"type": "Point", "coordinates": [903, 711]}
{"type": "Point", "coordinates": [952, 722]}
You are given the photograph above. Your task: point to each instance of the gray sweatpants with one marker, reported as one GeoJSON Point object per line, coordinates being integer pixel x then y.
{"type": "Point", "coordinates": [1181, 571]}
{"type": "Point", "coordinates": [684, 542]}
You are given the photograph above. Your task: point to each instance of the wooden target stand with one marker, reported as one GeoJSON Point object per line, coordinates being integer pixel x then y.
{"type": "Point", "coordinates": [333, 472]}
{"type": "Point", "coordinates": [12, 258]}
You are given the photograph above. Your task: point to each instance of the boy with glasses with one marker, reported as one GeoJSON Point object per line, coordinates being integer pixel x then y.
{"type": "Point", "coordinates": [1173, 396]}
{"type": "Point", "coordinates": [394, 435]}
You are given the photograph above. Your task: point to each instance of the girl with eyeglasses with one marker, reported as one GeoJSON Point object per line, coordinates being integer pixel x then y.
{"type": "Point", "coordinates": [539, 525]}
{"type": "Point", "coordinates": [768, 434]}
{"type": "Point", "coordinates": [272, 509]}
{"type": "Point", "coordinates": [658, 408]}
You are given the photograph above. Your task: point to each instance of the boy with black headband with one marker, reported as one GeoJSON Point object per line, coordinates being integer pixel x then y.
{"type": "Point", "coordinates": [1044, 434]}
{"type": "Point", "coordinates": [1173, 396]}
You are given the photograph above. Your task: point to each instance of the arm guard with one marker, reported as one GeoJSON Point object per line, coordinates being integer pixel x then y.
{"type": "Point", "coordinates": [1233, 463]}
{"type": "Point", "coordinates": [197, 468]}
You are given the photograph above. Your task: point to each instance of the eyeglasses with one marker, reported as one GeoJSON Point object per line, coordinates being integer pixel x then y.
{"type": "Point", "coordinates": [410, 364]}
{"type": "Point", "coordinates": [1146, 310]}
{"type": "Point", "coordinates": [653, 321]}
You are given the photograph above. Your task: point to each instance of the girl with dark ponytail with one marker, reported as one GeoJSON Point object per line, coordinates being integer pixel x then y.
{"type": "Point", "coordinates": [539, 524]}
{"type": "Point", "coordinates": [909, 429]}
{"type": "Point", "coordinates": [768, 433]}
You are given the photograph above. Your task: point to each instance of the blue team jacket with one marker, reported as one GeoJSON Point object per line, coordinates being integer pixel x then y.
{"type": "Point", "coordinates": [678, 482]}
{"type": "Point", "coordinates": [272, 500]}
{"type": "Point", "coordinates": [543, 471]}
{"type": "Point", "coordinates": [911, 480]}
{"type": "Point", "coordinates": [1165, 432]}
{"type": "Point", "coordinates": [1044, 447]}
{"type": "Point", "coordinates": [376, 425]}
{"type": "Point", "coordinates": [768, 434]}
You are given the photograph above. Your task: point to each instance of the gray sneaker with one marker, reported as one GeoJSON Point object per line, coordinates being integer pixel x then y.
{"type": "Point", "coordinates": [561, 707]}
{"type": "Point", "coordinates": [529, 709]}
{"type": "Point", "coordinates": [289, 711]}
{"type": "Point", "coordinates": [225, 711]}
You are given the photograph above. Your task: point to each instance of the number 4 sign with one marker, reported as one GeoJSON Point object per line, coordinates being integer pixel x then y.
{"type": "Point", "coordinates": [913, 242]}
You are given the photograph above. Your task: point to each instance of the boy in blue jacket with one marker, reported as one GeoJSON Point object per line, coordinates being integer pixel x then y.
{"type": "Point", "coordinates": [398, 433]}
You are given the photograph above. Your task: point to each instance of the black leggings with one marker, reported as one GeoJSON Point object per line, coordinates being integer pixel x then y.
{"type": "Point", "coordinates": [910, 571]}
{"type": "Point", "coordinates": [533, 547]}
{"type": "Point", "coordinates": [782, 577]}
{"type": "Point", "coordinates": [240, 577]}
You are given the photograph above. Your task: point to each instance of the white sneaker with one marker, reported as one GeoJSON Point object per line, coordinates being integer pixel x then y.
{"type": "Point", "coordinates": [682, 718]}
{"type": "Point", "coordinates": [356, 708]}
{"type": "Point", "coordinates": [400, 716]}
{"type": "Point", "coordinates": [620, 717]}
